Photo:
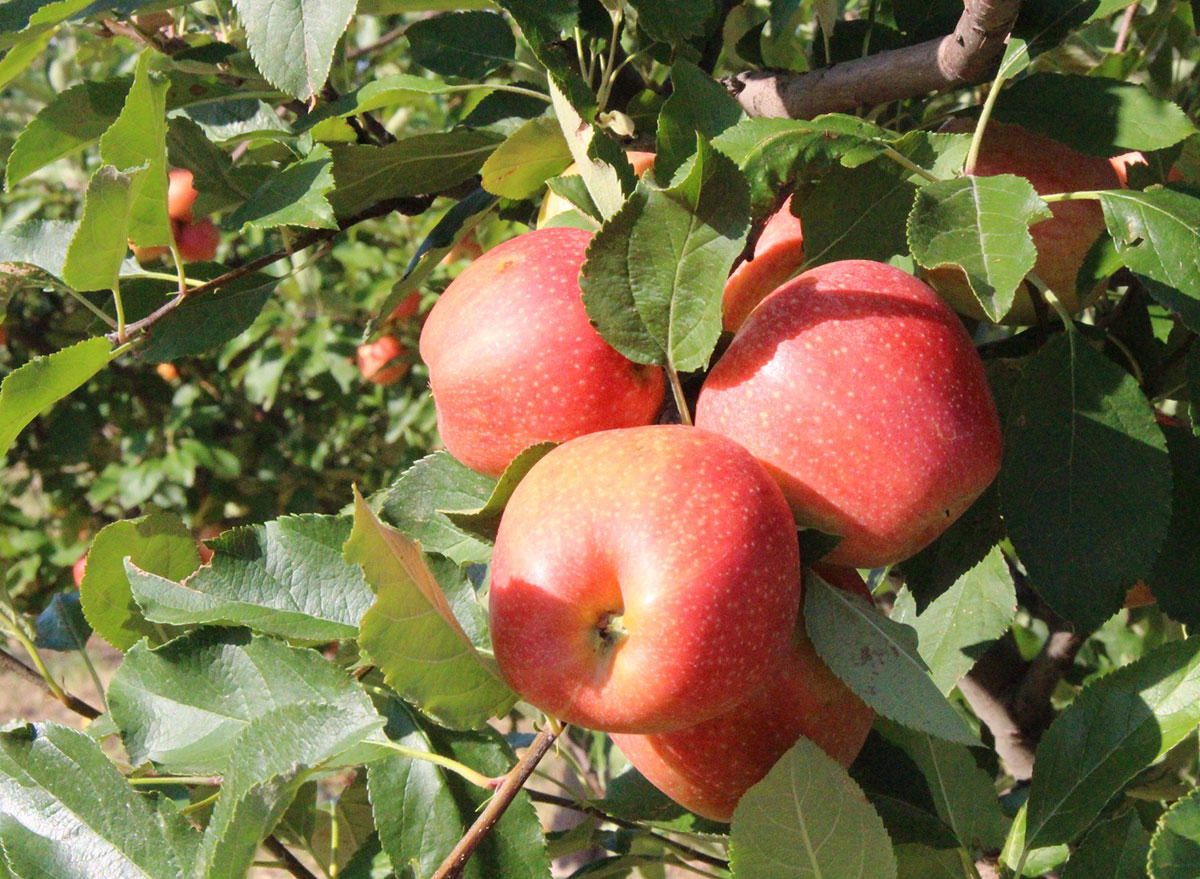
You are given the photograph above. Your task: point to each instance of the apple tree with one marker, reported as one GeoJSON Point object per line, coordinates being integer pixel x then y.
{"type": "Point", "coordinates": [929, 570]}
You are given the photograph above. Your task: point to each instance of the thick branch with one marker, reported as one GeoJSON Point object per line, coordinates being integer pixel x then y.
{"type": "Point", "coordinates": [15, 665]}
{"type": "Point", "coordinates": [968, 55]}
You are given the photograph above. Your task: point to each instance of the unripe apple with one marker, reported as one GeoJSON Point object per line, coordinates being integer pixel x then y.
{"type": "Point", "coordinates": [554, 204]}
{"type": "Point", "coordinates": [379, 361]}
{"type": "Point", "coordinates": [706, 768]}
{"type": "Point", "coordinates": [198, 241]}
{"type": "Point", "coordinates": [181, 195]}
{"type": "Point", "coordinates": [862, 393]}
{"type": "Point", "coordinates": [1063, 241]}
{"type": "Point", "coordinates": [514, 361]}
{"type": "Point", "coordinates": [78, 569]}
{"type": "Point", "coordinates": [778, 253]}
{"type": "Point", "coordinates": [643, 579]}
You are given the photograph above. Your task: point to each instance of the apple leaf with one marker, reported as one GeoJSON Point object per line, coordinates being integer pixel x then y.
{"type": "Point", "coordinates": [1175, 848]}
{"type": "Point", "coordinates": [205, 322]}
{"type": "Point", "coordinates": [698, 105]}
{"type": "Point", "coordinates": [183, 705]}
{"type": "Point", "coordinates": [1115, 849]}
{"type": "Point", "coordinates": [1157, 234]}
{"type": "Point", "coordinates": [1084, 530]}
{"type": "Point", "coordinates": [808, 819]}
{"type": "Point", "coordinates": [897, 789]}
{"type": "Point", "coordinates": [412, 635]}
{"type": "Point", "coordinates": [674, 21]}
{"type": "Point", "coordinates": [292, 41]}
{"type": "Point", "coordinates": [100, 243]}
{"type": "Point", "coordinates": [923, 862]}
{"type": "Point", "coordinates": [65, 811]}
{"type": "Point", "coordinates": [485, 519]}
{"type": "Point", "coordinates": [878, 659]}
{"type": "Point", "coordinates": [61, 626]}
{"type": "Point", "coordinates": [955, 629]}
{"type": "Point", "coordinates": [532, 154]}
{"type": "Point", "coordinates": [213, 176]}
{"type": "Point", "coordinates": [980, 224]}
{"type": "Point", "coordinates": [631, 796]}
{"type": "Point", "coordinates": [1118, 725]}
{"type": "Point", "coordinates": [468, 45]}
{"type": "Point", "coordinates": [655, 273]}
{"type": "Point", "coordinates": [28, 391]}
{"type": "Point", "coordinates": [856, 214]}
{"type": "Point", "coordinates": [1172, 580]}
{"type": "Point", "coordinates": [296, 196]}
{"type": "Point", "coordinates": [284, 578]}
{"type": "Point", "coordinates": [602, 163]}
{"type": "Point", "coordinates": [1037, 861]}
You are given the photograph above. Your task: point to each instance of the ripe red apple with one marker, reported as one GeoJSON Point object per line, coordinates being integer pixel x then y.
{"type": "Point", "coordinates": [379, 361]}
{"type": "Point", "coordinates": [1063, 241]}
{"type": "Point", "coordinates": [78, 569]}
{"type": "Point", "coordinates": [181, 195]}
{"type": "Point", "coordinates": [554, 204]}
{"type": "Point", "coordinates": [861, 392]}
{"type": "Point", "coordinates": [406, 309]}
{"type": "Point", "coordinates": [643, 579]}
{"type": "Point", "coordinates": [1121, 164]}
{"type": "Point", "coordinates": [168, 372]}
{"type": "Point", "coordinates": [514, 361]}
{"type": "Point", "coordinates": [198, 241]}
{"type": "Point", "coordinates": [466, 249]}
{"type": "Point", "coordinates": [706, 768]}
{"type": "Point", "coordinates": [778, 253]}
{"type": "Point", "coordinates": [149, 254]}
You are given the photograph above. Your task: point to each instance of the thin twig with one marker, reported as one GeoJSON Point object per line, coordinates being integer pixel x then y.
{"type": "Point", "coordinates": [386, 40]}
{"type": "Point", "coordinates": [454, 863]}
{"type": "Point", "coordinates": [19, 668]}
{"type": "Point", "coordinates": [290, 862]}
{"type": "Point", "coordinates": [1126, 27]}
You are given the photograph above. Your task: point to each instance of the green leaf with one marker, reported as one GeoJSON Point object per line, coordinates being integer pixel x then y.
{"type": "Point", "coordinates": [32, 254]}
{"type": "Point", "coordinates": [102, 240]}
{"type": "Point", "coordinates": [963, 794]}
{"type": "Point", "coordinates": [1084, 529]}
{"type": "Point", "coordinates": [655, 273]}
{"type": "Point", "coordinates": [982, 225]}
{"type": "Point", "coordinates": [533, 153]}
{"type": "Point", "coordinates": [1157, 234]}
{"type": "Point", "coordinates": [1175, 849]}
{"type": "Point", "coordinates": [1046, 24]}
{"type": "Point", "coordinates": [807, 818]}
{"type": "Point", "coordinates": [387, 91]}
{"type": "Point", "coordinates": [284, 578]}
{"type": "Point", "coordinates": [423, 810]}
{"type": "Point", "coordinates": [293, 197]}
{"type": "Point", "coordinates": [209, 321]}
{"type": "Point", "coordinates": [136, 143]}
{"type": "Point", "coordinates": [66, 812]}
{"type": "Point", "coordinates": [483, 520]}
{"type": "Point", "coordinates": [1172, 581]}
{"type": "Point", "coordinates": [698, 105]}
{"type": "Point", "coordinates": [1100, 117]}
{"type": "Point", "coordinates": [61, 626]}
{"type": "Point", "coordinates": [26, 19]}
{"type": "Point", "coordinates": [856, 214]}
{"type": "Point", "coordinates": [1117, 726]}
{"type": "Point", "coordinates": [1037, 861]}
{"type": "Point", "coordinates": [923, 862]}
{"type": "Point", "coordinates": [412, 635]}
{"type": "Point", "coordinates": [158, 543]}
{"type": "Point", "coordinates": [631, 796]}
{"type": "Point", "coordinates": [469, 45]}
{"type": "Point", "coordinates": [292, 41]}
{"type": "Point", "coordinates": [184, 705]}
{"type": "Point", "coordinates": [189, 147]}
{"type": "Point", "coordinates": [602, 164]}
{"type": "Point", "coordinates": [878, 659]}
{"type": "Point", "coordinates": [413, 165]}
{"type": "Point", "coordinates": [674, 21]}
{"type": "Point", "coordinates": [28, 391]}
{"type": "Point", "coordinates": [955, 629]}
{"type": "Point", "coordinates": [1115, 849]}
{"type": "Point", "coordinates": [18, 59]}
{"type": "Point", "coordinates": [439, 482]}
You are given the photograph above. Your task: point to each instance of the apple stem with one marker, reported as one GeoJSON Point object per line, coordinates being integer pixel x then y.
{"type": "Point", "coordinates": [685, 415]}
{"type": "Point", "coordinates": [1053, 301]}
{"type": "Point", "coordinates": [510, 786]}
{"type": "Point", "coordinates": [984, 115]}
{"type": "Point", "coordinates": [478, 779]}
{"type": "Point", "coordinates": [909, 165]}
{"type": "Point", "coordinates": [1082, 195]}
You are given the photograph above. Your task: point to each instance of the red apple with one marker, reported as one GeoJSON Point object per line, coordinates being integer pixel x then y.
{"type": "Point", "coordinates": [378, 361]}
{"type": "Point", "coordinates": [406, 309]}
{"type": "Point", "coordinates": [148, 254]}
{"type": "Point", "coordinates": [78, 569]}
{"type": "Point", "coordinates": [514, 361]}
{"type": "Point", "coordinates": [554, 204]}
{"type": "Point", "coordinates": [466, 249]}
{"type": "Point", "coordinates": [1063, 241]}
{"type": "Point", "coordinates": [1121, 164]}
{"type": "Point", "coordinates": [168, 372]}
{"type": "Point", "coordinates": [181, 195]}
{"type": "Point", "coordinates": [706, 768]}
{"type": "Point", "coordinates": [198, 241]}
{"type": "Point", "coordinates": [643, 579]}
{"type": "Point", "coordinates": [778, 253]}
{"type": "Point", "coordinates": [860, 390]}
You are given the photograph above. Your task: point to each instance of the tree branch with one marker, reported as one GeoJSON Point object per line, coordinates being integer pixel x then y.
{"type": "Point", "coordinates": [452, 866]}
{"type": "Point", "coordinates": [290, 862]}
{"type": "Point", "coordinates": [968, 55]}
{"type": "Point", "coordinates": [19, 668]}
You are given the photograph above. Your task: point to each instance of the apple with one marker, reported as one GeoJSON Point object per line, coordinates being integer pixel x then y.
{"type": "Point", "coordinates": [1139, 595]}
{"type": "Point", "coordinates": [379, 361]}
{"type": "Point", "coordinates": [466, 249]}
{"type": "Point", "coordinates": [146, 255]}
{"type": "Point", "coordinates": [707, 767]}
{"type": "Point", "coordinates": [1122, 163]}
{"type": "Point", "coordinates": [643, 579]}
{"type": "Point", "coordinates": [168, 372]}
{"type": "Point", "coordinates": [406, 309]}
{"type": "Point", "coordinates": [1063, 241]}
{"type": "Point", "coordinates": [778, 254]}
{"type": "Point", "coordinates": [181, 195]}
{"type": "Point", "coordinates": [78, 569]}
{"type": "Point", "coordinates": [198, 241]}
{"type": "Point", "coordinates": [861, 392]}
{"type": "Point", "coordinates": [554, 204]}
{"type": "Point", "coordinates": [514, 361]}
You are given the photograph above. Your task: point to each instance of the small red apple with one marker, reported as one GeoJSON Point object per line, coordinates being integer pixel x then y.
{"type": "Point", "coordinates": [168, 372]}
{"type": "Point", "coordinates": [181, 195]}
{"type": "Point", "coordinates": [778, 253]}
{"type": "Point", "coordinates": [644, 579]}
{"type": "Point", "coordinates": [146, 255]}
{"type": "Point", "coordinates": [514, 361]}
{"type": "Point", "coordinates": [706, 768]}
{"type": "Point", "coordinates": [860, 390]}
{"type": "Point", "coordinates": [78, 569]}
{"type": "Point", "coordinates": [1122, 163]}
{"type": "Point", "coordinates": [1139, 595]}
{"type": "Point", "coordinates": [406, 309]}
{"type": "Point", "coordinates": [379, 361]}
{"type": "Point", "coordinates": [466, 249]}
{"type": "Point", "coordinates": [198, 241]}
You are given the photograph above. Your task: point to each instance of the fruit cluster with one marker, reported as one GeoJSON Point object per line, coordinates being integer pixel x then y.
{"type": "Point", "coordinates": [646, 579]}
{"type": "Point", "coordinates": [197, 240]}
